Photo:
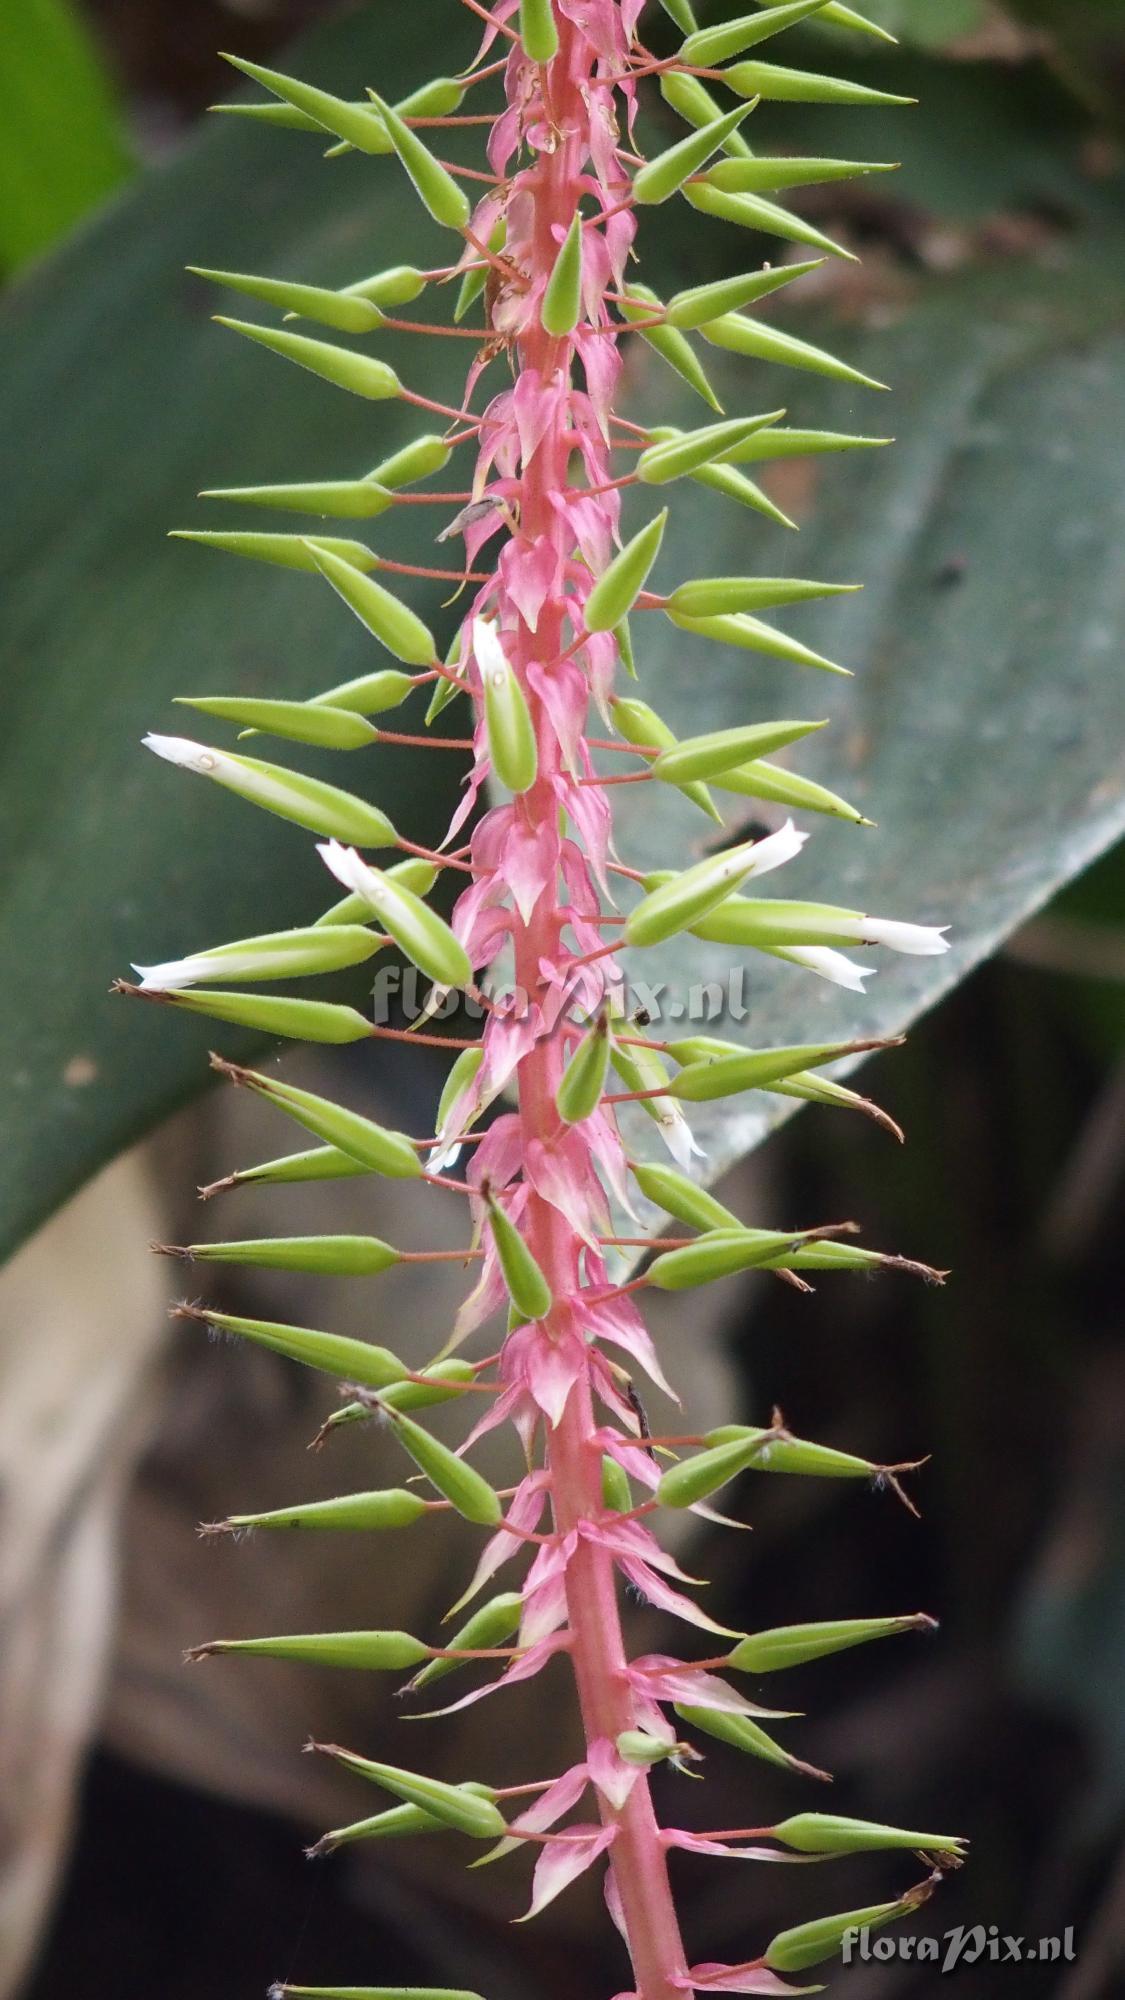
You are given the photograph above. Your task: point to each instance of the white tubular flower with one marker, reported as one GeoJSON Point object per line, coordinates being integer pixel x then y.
{"type": "Point", "coordinates": [777, 849]}
{"type": "Point", "coordinates": [350, 870]}
{"type": "Point", "coordinates": [182, 751]}
{"type": "Point", "coordinates": [677, 1133]}
{"type": "Point", "coordinates": [827, 964]}
{"type": "Point", "coordinates": [177, 973]}
{"type": "Point", "coordinates": [917, 940]}
{"type": "Point", "coordinates": [489, 653]}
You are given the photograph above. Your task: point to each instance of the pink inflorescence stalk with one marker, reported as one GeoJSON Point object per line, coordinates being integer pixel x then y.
{"type": "Point", "coordinates": [548, 249]}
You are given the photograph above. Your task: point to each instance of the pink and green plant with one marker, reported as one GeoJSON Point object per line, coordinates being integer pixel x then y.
{"type": "Point", "coordinates": [533, 1106]}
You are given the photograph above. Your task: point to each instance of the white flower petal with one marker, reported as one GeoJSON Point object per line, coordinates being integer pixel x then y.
{"type": "Point", "coordinates": [345, 864]}
{"type": "Point", "coordinates": [175, 973]}
{"type": "Point", "coordinates": [777, 848]}
{"type": "Point", "coordinates": [182, 751]}
{"type": "Point", "coordinates": [489, 653]}
{"type": "Point", "coordinates": [828, 964]}
{"type": "Point", "coordinates": [918, 940]}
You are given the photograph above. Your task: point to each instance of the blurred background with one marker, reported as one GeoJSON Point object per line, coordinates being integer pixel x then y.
{"type": "Point", "coordinates": [153, 1817]}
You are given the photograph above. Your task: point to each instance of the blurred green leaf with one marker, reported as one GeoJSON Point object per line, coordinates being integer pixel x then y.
{"type": "Point", "coordinates": [63, 146]}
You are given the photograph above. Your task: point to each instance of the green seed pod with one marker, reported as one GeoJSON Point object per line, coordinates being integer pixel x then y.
{"type": "Point", "coordinates": [359, 373]}
{"type": "Point", "coordinates": [418, 460]}
{"type": "Point", "coordinates": [662, 177]}
{"type": "Point", "coordinates": [371, 1992]}
{"type": "Point", "coordinates": [721, 1253]}
{"type": "Point", "coordinates": [766, 176]}
{"type": "Point", "coordinates": [758, 780]}
{"type": "Point", "coordinates": [743, 1734]}
{"type": "Point", "coordinates": [672, 346]}
{"type": "Point", "coordinates": [640, 724]}
{"type": "Point", "coordinates": [307, 802]}
{"type": "Point", "coordinates": [703, 303]}
{"type": "Point", "coordinates": [752, 636]}
{"type": "Point", "coordinates": [445, 1381]}
{"type": "Point", "coordinates": [329, 728]}
{"type": "Point", "coordinates": [754, 1069]}
{"type": "Point", "coordinates": [712, 596]}
{"type": "Point", "coordinates": [490, 1626]}
{"type": "Point", "coordinates": [395, 626]}
{"type": "Point", "coordinates": [618, 588]}
{"type": "Point", "coordinates": [681, 1197]}
{"type": "Point", "coordinates": [457, 1082]}
{"type": "Point", "coordinates": [750, 337]}
{"type": "Point", "coordinates": [679, 901]}
{"type": "Point", "coordinates": [335, 1256]}
{"type": "Point", "coordinates": [830, 1833]}
{"type": "Point", "coordinates": [676, 457]}
{"type": "Point", "coordinates": [695, 105]}
{"type": "Point", "coordinates": [798, 86]}
{"type": "Point", "coordinates": [287, 551]}
{"type": "Point", "coordinates": [360, 127]}
{"type": "Point", "coordinates": [735, 486]}
{"type": "Point", "coordinates": [753, 211]}
{"type": "Point", "coordinates": [395, 1822]}
{"type": "Point", "coordinates": [424, 936]}
{"type": "Point", "coordinates": [276, 955]}
{"type": "Point", "coordinates": [617, 1494]}
{"type": "Point", "coordinates": [583, 1080]}
{"type": "Point", "coordinates": [331, 1353]}
{"type": "Point", "coordinates": [711, 46]}
{"type": "Point", "coordinates": [390, 1651]}
{"type": "Point", "coordinates": [413, 873]}
{"type": "Point", "coordinates": [391, 1507]}
{"type": "Point", "coordinates": [272, 1014]}
{"type": "Point", "coordinates": [769, 924]}
{"type": "Point", "coordinates": [538, 32]}
{"type": "Point", "coordinates": [811, 1944]}
{"type": "Point", "coordinates": [642, 1069]}
{"type": "Point", "coordinates": [456, 1480]}
{"type": "Point", "coordinates": [562, 301]}
{"type": "Point", "coordinates": [636, 1746]}
{"type": "Point", "coordinates": [345, 499]}
{"type": "Point", "coordinates": [785, 442]}
{"type": "Point", "coordinates": [437, 189]}
{"type": "Point", "coordinates": [321, 1163]}
{"type": "Point", "coordinates": [707, 756]}
{"type": "Point", "coordinates": [348, 313]}
{"type": "Point", "coordinates": [369, 694]}
{"type": "Point", "coordinates": [527, 1287]}
{"type": "Point", "coordinates": [374, 1146]}
{"type": "Point", "coordinates": [770, 1453]}
{"type": "Point", "coordinates": [793, 1645]}
{"type": "Point", "coordinates": [511, 733]}
{"type": "Point", "coordinates": [470, 1811]}
{"type": "Point", "coordinates": [284, 117]}
{"type": "Point", "coordinates": [846, 17]}
{"type": "Point", "coordinates": [680, 12]}
{"type": "Point", "coordinates": [399, 285]}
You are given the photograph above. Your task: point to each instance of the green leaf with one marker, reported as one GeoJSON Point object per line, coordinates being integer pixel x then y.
{"type": "Point", "coordinates": [63, 146]}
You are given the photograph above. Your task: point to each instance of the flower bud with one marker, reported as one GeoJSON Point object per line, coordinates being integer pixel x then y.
{"type": "Point", "coordinates": [711, 46]}
{"type": "Point", "coordinates": [793, 1645]}
{"type": "Point", "coordinates": [662, 177]}
{"type": "Point", "coordinates": [490, 1626]}
{"type": "Point", "coordinates": [511, 734]}
{"type": "Point", "coordinates": [401, 283]}
{"type": "Point", "coordinates": [713, 595]}
{"type": "Point", "coordinates": [583, 1080]}
{"type": "Point", "coordinates": [618, 588]}
{"type": "Point", "coordinates": [395, 626]}
{"type": "Point", "coordinates": [360, 127]}
{"type": "Point", "coordinates": [679, 901]}
{"type": "Point", "coordinates": [276, 955]}
{"type": "Point", "coordinates": [267, 1013]}
{"type": "Point", "coordinates": [784, 442]}
{"type": "Point", "coordinates": [320, 1163]}
{"type": "Point", "coordinates": [751, 338]}
{"type": "Point", "coordinates": [350, 314]}
{"type": "Point", "coordinates": [680, 12]}
{"type": "Point", "coordinates": [642, 1070]}
{"type": "Point", "coordinates": [759, 780]}
{"type": "Point", "coordinates": [675, 457]}
{"type": "Point", "coordinates": [476, 277]}
{"type": "Point", "coordinates": [766, 176]}
{"type": "Point", "coordinates": [468, 1811]}
{"type": "Point", "coordinates": [703, 303]}
{"type": "Point", "coordinates": [617, 1494]}
{"type": "Point", "coordinates": [375, 1146]}
{"type": "Point", "coordinates": [753, 211]}
{"type": "Point", "coordinates": [639, 303]}
{"type": "Point", "coordinates": [811, 1944]}
{"type": "Point", "coordinates": [731, 484]}
{"type": "Point", "coordinates": [682, 1197]}
{"type": "Point", "coordinates": [538, 32]}
{"type": "Point", "coordinates": [562, 301]}
{"type": "Point", "coordinates": [830, 1833]}
{"type": "Point", "coordinates": [299, 722]}
{"type": "Point", "coordinates": [636, 1746]}
{"type": "Point", "coordinates": [424, 936]}
{"type": "Point", "coordinates": [418, 460]}
{"type": "Point", "coordinates": [456, 1480]}
{"type": "Point", "coordinates": [446, 201]}
{"type": "Point", "coordinates": [333, 1256]}
{"type": "Point", "coordinates": [691, 99]}
{"type": "Point", "coordinates": [640, 724]}
{"type": "Point", "coordinates": [308, 802]}
{"type": "Point", "coordinates": [347, 499]}
{"type": "Point", "coordinates": [369, 694]}
{"type": "Point", "coordinates": [461, 1075]}
{"type": "Point", "coordinates": [527, 1287]}
{"type": "Point", "coordinates": [389, 1825]}
{"type": "Point", "coordinates": [371, 1992]}
{"type": "Point", "coordinates": [755, 1069]}
{"type": "Point", "coordinates": [738, 629]}
{"type": "Point", "coordinates": [342, 366]}
{"type": "Point", "coordinates": [390, 1507]}
{"type": "Point", "coordinates": [724, 749]}
{"type": "Point", "coordinates": [445, 1381]}
{"type": "Point", "coordinates": [798, 86]}
{"type": "Point", "coordinates": [286, 551]}
{"type": "Point", "coordinates": [389, 1651]}
{"type": "Point", "coordinates": [720, 1254]}
{"type": "Point", "coordinates": [743, 1734]}
{"type": "Point", "coordinates": [331, 1353]}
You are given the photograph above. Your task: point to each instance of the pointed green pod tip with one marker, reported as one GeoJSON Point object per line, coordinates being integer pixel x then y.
{"type": "Point", "coordinates": [811, 1944]}
{"type": "Point", "coordinates": [832, 1833]}
{"type": "Point", "coordinates": [795, 1645]}
{"type": "Point", "coordinates": [348, 312]}
{"type": "Point", "coordinates": [446, 201]}
{"type": "Point", "coordinates": [391, 621]}
{"type": "Point", "coordinates": [660, 178]}
{"type": "Point", "coordinates": [562, 301]}
{"type": "Point", "coordinates": [676, 457]}
{"type": "Point", "coordinates": [619, 587]}
{"type": "Point", "coordinates": [361, 374]}
{"type": "Point", "coordinates": [527, 1287]}
{"type": "Point", "coordinates": [327, 727]}
{"type": "Point", "coordinates": [511, 734]}
{"type": "Point", "coordinates": [454, 1478]}
{"type": "Point", "coordinates": [352, 122]}
{"type": "Point", "coordinates": [374, 1651]}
